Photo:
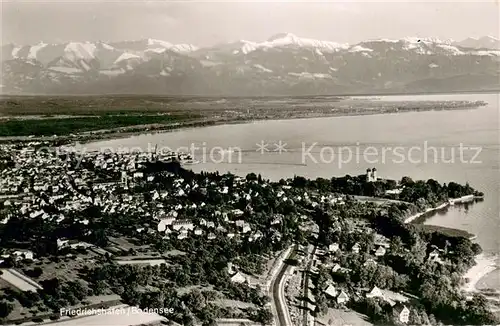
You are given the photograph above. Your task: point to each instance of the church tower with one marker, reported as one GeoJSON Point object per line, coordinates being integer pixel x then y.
{"type": "Point", "coordinates": [124, 179]}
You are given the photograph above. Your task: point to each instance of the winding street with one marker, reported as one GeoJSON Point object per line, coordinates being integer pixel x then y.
{"type": "Point", "coordinates": [281, 311]}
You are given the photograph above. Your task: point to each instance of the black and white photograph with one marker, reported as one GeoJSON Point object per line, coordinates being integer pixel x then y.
{"type": "Point", "coordinates": [249, 162]}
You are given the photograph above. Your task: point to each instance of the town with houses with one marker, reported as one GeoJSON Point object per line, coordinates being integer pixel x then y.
{"type": "Point", "coordinates": [101, 230]}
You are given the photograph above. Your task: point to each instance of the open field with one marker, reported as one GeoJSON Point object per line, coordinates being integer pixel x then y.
{"type": "Point", "coordinates": [90, 105]}
{"type": "Point", "coordinates": [73, 125]}
{"type": "Point", "coordinates": [235, 322]}
{"type": "Point", "coordinates": [448, 231]}
{"type": "Point", "coordinates": [66, 268]}
{"type": "Point", "coordinates": [339, 317]}
{"type": "Point", "coordinates": [234, 304]}
{"type": "Point", "coordinates": [151, 262]}
{"type": "Point", "coordinates": [18, 280]}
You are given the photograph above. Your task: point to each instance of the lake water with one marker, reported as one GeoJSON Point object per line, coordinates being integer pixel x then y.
{"type": "Point", "coordinates": [421, 145]}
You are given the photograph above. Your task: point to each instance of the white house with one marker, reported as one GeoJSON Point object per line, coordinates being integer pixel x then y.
{"type": "Point", "coordinates": [434, 256]}
{"type": "Point", "coordinates": [186, 224]}
{"type": "Point", "coordinates": [343, 297]}
{"type": "Point", "coordinates": [403, 314]}
{"type": "Point", "coordinates": [336, 268]}
{"type": "Point", "coordinates": [238, 278]}
{"type": "Point", "coordinates": [375, 293]}
{"type": "Point", "coordinates": [237, 212]}
{"type": "Point", "coordinates": [380, 240]}
{"type": "Point", "coordinates": [370, 262]}
{"type": "Point", "coordinates": [331, 291]}
{"type": "Point", "coordinates": [380, 251]}
{"type": "Point", "coordinates": [164, 222]}
{"type": "Point", "coordinates": [231, 268]}
{"type": "Point", "coordinates": [62, 243]}
{"type": "Point", "coordinates": [333, 247]}
{"type": "Point", "coordinates": [277, 220]}
{"type": "Point", "coordinates": [395, 191]}
{"type": "Point", "coordinates": [23, 254]}
{"type": "Point", "coordinates": [246, 228]}
{"type": "Point", "coordinates": [355, 249]}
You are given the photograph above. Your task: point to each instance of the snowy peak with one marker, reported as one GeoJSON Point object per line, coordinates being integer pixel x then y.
{"type": "Point", "coordinates": [126, 56]}
{"type": "Point", "coordinates": [183, 48]}
{"type": "Point", "coordinates": [280, 36]}
{"type": "Point", "coordinates": [417, 45]}
{"type": "Point", "coordinates": [359, 48]}
{"type": "Point", "coordinates": [426, 40]}
{"type": "Point", "coordinates": [76, 50]}
{"type": "Point", "coordinates": [284, 40]}
{"type": "Point", "coordinates": [160, 43]}
{"type": "Point", "coordinates": [151, 45]}
{"type": "Point", "coordinates": [485, 42]}
{"type": "Point", "coordinates": [412, 40]}
{"type": "Point", "coordinates": [159, 46]}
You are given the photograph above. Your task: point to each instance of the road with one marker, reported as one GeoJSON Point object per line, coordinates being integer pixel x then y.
{"type": "Point", "coordinates": [278, 295]}
{"type": "Point", "coordinates": [306, 285]}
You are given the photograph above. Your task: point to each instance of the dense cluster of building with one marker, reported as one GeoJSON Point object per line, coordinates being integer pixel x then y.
{"type": "Point", "coordinates": [34, 179]}
{"type": "Point", "coordinates": [71, 182]}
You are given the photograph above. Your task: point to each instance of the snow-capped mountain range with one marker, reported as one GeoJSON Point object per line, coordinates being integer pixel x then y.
{"type": "Point", "coordinates": [485, 42]}
{"type": "Point", "coordinates": [285, 64]}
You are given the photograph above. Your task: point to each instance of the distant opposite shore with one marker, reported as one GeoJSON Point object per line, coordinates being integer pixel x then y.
{"type": "Point", "coordinates": [96, 118]}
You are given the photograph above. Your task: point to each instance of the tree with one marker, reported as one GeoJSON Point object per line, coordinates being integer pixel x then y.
{"type": "Point", "coordinates": [187, 320]}
{"type": "Point", "coordinates": [5, 309]}
{"type": "Point", "coordinates": [397, 246]}
{"type": "Point", "coordinates": [432, 319]}
{"type": "Point", "coordinates": [321, 304]}
{"type": "Point", "coordinates": [406, 181]}
{"type": "Point", "coordinates": [264, 316]}
{"type": "Point", "coordinates": [251, 177]}
{"type": "Point", "coordinates": [477, 312]}
{"type": "Point", "coordinates": [195, 300]}
{"type": "Point", "coordinates": [415, 318]}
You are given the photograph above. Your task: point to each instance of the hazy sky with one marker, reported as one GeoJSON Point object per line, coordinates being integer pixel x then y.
{"type": "Point", "coordinates": [208, 22]}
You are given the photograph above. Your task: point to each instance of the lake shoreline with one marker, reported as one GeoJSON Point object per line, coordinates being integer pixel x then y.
{"type": "Point", "coordinates": [450, 202]}
{"type": "Point", "coordinates": [484, 266]}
